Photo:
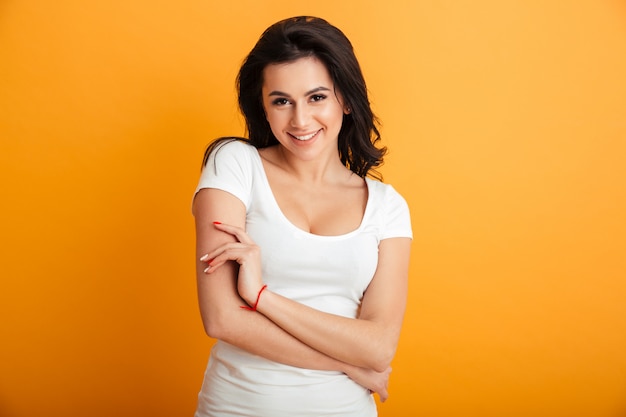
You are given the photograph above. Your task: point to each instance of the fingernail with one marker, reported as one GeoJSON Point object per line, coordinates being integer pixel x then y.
{"type": "Point", "coordinates": [204, 257]}
{"type": "Point", "coordinates": [207, 269]}
{"type": "Point", "coordinates": [217, 222]}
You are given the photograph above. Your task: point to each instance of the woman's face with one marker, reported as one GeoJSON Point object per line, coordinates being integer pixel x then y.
{"type": "Point", "coordinates": [302, 107]}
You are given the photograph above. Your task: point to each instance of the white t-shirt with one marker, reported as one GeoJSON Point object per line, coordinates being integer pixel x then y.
{"type": "Point", "coordinates": [329, 273]}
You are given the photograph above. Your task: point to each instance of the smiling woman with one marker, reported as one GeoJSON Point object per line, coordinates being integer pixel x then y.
{"type": "Point", "coordinates": [290, 228]}
{"type": "Point", "coordinates": [303, 111]}
{"type": "Point", "coordinates": [506, 126]}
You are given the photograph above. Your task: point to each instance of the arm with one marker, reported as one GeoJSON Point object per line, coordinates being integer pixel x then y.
{"type": "Point", "coordinates": [369, 341]}
{"type": "Point", "coordinates": [220, 303]}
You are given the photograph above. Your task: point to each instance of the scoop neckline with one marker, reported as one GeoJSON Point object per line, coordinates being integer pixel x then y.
{"type": "Point", "coordinates": [274, 202]}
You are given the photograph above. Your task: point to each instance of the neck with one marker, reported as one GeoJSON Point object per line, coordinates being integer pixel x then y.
{"type": "Point", "coordinates": [318, 171]}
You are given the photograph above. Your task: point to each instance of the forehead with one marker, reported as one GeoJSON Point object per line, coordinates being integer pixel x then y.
{"type": "Point", "coordinates": [301, 74]}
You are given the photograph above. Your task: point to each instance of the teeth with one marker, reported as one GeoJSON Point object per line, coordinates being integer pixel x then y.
{"type": "Point", "coordinates": [306, 137]}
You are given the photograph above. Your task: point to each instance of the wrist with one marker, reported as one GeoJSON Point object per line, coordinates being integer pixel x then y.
{"type": "Point", "coordinates": [253, 303]}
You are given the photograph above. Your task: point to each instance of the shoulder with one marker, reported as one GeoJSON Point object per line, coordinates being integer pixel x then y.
{"type": "Point", "coordinates": [228, 154]}
{"type": "Point", "coordinates": [230, 166]}
{"type": "Point", "coordinates": [385, 193]}
{"type": "Point", "coordinates": [391, 210]}
{"type": "Point", "coordinates": [230, 148]}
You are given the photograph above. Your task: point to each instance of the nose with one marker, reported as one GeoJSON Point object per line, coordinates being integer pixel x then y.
{"type": "Point", "coordinates": [300, 116]}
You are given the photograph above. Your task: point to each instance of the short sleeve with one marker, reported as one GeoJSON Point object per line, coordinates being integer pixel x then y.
{"type": "Point", "coordinates": [229, 168]}
{"type": "Point", "coordinates": [397, 218]}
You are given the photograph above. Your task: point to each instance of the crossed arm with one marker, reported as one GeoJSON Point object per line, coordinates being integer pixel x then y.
{"type": "Point", "coordinates": [283, 330]}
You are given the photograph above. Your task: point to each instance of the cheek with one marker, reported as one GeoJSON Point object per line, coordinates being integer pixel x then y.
{"type": "Point", "coordinates": [272, 118]}
{"type": "Point", "coordinates": [276, 120]}
{"type": "Point", "coordinates": [333, 115]}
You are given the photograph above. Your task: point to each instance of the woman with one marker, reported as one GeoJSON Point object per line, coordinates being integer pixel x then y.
{"type": "Point", "coordinates": [303, 259]}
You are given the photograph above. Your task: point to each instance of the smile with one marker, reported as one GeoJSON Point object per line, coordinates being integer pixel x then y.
{"type": "Point", "coordinates": [306, 137]}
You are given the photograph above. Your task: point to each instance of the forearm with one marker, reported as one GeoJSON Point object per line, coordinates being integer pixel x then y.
{"type": "Point", "coordinates": [223, 319]}
{"type": "Point", "coordinates": [370, 340]}
{"type": "Point", "coordinates": [258, 335]}
{"type": "Point", "coordinates": [358, 342]}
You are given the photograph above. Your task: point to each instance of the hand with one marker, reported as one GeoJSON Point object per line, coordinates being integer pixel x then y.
{"type": "Point", "coordinates": [246, 253]}
{"type": "Point", "coordinates": [374, 381]}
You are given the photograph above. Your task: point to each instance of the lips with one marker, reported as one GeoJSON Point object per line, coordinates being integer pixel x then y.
{"type": "Point", "coordinates": [305, 137]}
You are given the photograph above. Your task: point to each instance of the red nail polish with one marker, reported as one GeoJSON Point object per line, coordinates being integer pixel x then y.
{"type": "Point", "coordinates": [217, 222]}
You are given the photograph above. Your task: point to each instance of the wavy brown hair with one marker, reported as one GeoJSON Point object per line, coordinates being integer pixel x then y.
{"type": "Point", "coordinates": [300, 37]}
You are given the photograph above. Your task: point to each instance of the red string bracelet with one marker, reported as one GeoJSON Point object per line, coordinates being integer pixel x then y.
{"type": "Point", "coordinates": [257, 300]}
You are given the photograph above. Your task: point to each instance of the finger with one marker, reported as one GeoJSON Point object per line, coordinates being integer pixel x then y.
{"type": "Point", "coordinates": [205, 258]}
{"type": "Point", "coordinates": [230, 246]}
{"type": "Point", "coordinates": [238, 232]}
{"type": "Point", "coordinates": [383, 396]}
{"type": "Point", "coordinates": [222, 254]}
{"type": "Point", "coordinates": [215, 264]}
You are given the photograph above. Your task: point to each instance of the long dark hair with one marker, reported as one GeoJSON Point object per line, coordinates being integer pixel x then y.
{"type": "Point", "coordinates": [306, 36]}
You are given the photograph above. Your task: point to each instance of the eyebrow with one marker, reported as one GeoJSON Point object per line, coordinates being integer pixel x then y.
{"type": "Point", "coordinates": [315, 90]}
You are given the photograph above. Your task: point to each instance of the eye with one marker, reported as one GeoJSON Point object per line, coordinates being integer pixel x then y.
{"type": "Point", "coordinates": [318, 97]}
{"type": "Point", "coordinates": [281, 101]}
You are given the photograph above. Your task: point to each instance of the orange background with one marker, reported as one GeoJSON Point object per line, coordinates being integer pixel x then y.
{"type": "Point", "coordinates": [506, 122]}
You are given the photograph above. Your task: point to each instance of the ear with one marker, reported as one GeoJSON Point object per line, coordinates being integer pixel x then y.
{"type": "Point", "coordinates": [347, 110]}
